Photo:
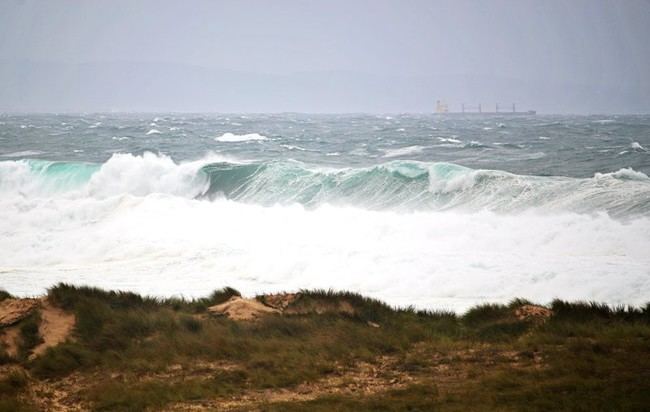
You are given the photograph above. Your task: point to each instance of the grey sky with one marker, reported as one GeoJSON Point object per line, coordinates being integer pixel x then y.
{"type": "Point", "coordinates": [578, 56]}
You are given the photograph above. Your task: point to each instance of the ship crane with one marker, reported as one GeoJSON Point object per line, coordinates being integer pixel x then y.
{"type": "Point", "coordinates": [443, 108]}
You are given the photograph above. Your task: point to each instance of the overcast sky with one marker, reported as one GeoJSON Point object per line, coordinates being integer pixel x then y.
{"type": "Point", "coordinates": [585, 54]}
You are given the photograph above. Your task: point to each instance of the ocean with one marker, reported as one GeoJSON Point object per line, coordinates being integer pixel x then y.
{"type": "Point", "coordinates": [434, 211]}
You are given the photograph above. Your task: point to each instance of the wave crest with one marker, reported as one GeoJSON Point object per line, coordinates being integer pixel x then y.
{"type": "Point", "coordinates": [395, 185]}
{"type": "Point", "coordinates": [234, 138]}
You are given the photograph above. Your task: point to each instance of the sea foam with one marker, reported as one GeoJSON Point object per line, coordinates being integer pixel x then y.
{"type": "Point", "coordinates": [232, 138]}
{"type": "Point", "coordinates": [162, 244]}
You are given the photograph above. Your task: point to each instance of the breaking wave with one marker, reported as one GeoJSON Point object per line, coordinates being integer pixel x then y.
{"type": "Point", "coordinates": [395, 185]}
{"type": "Point", "coordinates": [155, 226]}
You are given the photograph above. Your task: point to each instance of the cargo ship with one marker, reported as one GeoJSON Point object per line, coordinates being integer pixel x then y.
{"type": "Point", "coordinates": [443, 108]}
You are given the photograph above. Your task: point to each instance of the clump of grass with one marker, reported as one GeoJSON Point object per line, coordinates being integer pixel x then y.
{"type": "Point", "coordinates": [69, 296]}
{"type": "Point", "coordinates": [13, 382]}
{"type": "Point", "coordinates": [30, 335]}
{"type": "Point", "coordinates": [62, 360]}
{"type": "Point", "coordinates": [4, 356]}
{"type": "Point", "coordinates": [12, 385]}
{"type": "Point", "coordinates": [200, 305]}
{"type": "Point", "coordinates": [587, 311]}
{"type": "Point", "coordinates": [191, 324]}
{"type": "Point", "coordinates": [495, 322]}
{"type": "Point", "coordinates": [488, 313]}
{"type": "Point", "coordinates": [4, 295]}
{"type": "Point", "coordinates": [344, 303]}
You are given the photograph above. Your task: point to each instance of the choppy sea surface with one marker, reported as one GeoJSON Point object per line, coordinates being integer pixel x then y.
{"type": "Point", "coordinates": [426, 210]}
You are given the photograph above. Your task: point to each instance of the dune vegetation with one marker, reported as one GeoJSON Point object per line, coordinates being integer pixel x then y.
{"type": "Point", "coordinates": [323, 351]}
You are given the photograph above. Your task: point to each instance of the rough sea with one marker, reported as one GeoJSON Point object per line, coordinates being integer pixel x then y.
{"type": "Point", "coordinates": [439, 212]}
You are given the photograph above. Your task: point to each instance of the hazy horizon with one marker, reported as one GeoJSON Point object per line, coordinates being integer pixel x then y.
{"type": "Point", "coordinates": [582, 57]}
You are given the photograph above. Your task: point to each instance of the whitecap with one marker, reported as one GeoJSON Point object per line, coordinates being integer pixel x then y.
{"type": "Point", "coordinates": [23, 153]}
{"type": "Point", "coordinates": [153, 131]}
{"type": "Point", "coordinates": [233, 138]}
{"type": "Point", "coordinates": [449, 140]}
{"type": "Point", "coordinates": [636, 146]}
{"type": "Point", "coordinates": [403, 151]}
{"type": "Point", "coordinates": [291, 147]}
{"type": "Point", "coordinates": [475, 144]}
{"type": "Point", "coordinates": [623, 174]}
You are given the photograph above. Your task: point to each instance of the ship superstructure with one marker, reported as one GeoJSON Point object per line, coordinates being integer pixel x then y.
{"type": "Point", "coordinates": [443, 108]}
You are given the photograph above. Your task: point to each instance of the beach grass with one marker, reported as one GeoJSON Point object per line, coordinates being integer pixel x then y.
{"type": "Point", "coordinates": [333, 351]}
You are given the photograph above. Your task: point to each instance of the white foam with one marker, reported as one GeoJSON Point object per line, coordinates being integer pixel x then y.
{"type": "Point", "coordinates": [231, 137]}
{"type": "Point", "coordinates": [449, 140]}
{"type": "Point", "coordinates": [403, 151]}
{"type": "Point", "coordinates": [153, 131]}
{"type": "Point", "coordinates": [167, 245]}
{"type": "Point", "coordinates": [23, 153]}
{"type": "Point", "coordinates": [291, 147]}
{"type": "Point", "coordinates": [146, 174]}
{"type": "Point", "coordinates": [625, 174]}
{"type": "Point", "coordinates": [637, 147]}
